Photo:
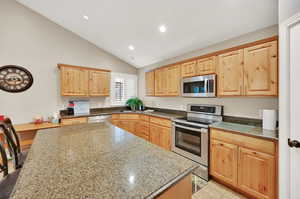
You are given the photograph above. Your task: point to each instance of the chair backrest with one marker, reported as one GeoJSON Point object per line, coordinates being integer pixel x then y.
{"type": "Point", "coordinates": [3, 161]}
{"type": "Point", "coordinates": [13, 133]}
{"type": "Point", "coordinates": [12, 147]}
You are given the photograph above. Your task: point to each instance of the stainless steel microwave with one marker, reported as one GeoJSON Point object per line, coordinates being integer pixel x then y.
{"type": "Point", "coordinates": [199, 86]}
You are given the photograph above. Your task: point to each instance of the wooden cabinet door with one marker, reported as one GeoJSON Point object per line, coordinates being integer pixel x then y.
{"type": "Point", "coordinates": [165, 138]}
{"type": "Point", "coordinates": [161, 82]}
{"type": "Point", "coordinates": [150, 83]}
{"type": "Point", "coordinates": [188, 69]}
{"type": "Point", "coordinates": [224, 161]}
{"type": "Point", "coordinates": [230, 74]}
{"type": "Point", "coordinates": [173, 80]}
{"type": "Point", "coordinates": [74, 81]}
{"type": "Point", "coordinates": [160, 136]}
{"type": "Point", "coordinates": [142, 129]}
{"type": "Point", "coordinates": [99, 83]}
{"type": "Point", "coordinates": [257, 175]}
{"type": "Point", "coordinates": [261, 69]}
{"type": "Point", "coordinates": [206, 66]}
{"type": "Point", "coordinates": [154, 134]}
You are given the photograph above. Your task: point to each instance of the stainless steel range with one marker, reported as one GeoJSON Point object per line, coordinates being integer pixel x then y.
{"type": "Point", "coordinates": [191, 134]}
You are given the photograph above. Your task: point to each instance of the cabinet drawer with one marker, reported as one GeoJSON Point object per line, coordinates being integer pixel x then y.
{"type": "Point", "coordinates": [258, 144]}
{"type": "Point", "coordinates": [144, 117]}
{"type": "Point", "coordinates": [72, 121]}
{"type": "Point", "coordinates": [129, 116]}
{"type": "Point", "coordinates": [115, 116]}
{"type": "Point", "coordinates": [161, 121]}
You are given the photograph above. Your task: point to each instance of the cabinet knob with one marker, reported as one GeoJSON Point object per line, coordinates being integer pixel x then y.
{"type": "Point", "coordinates": [293, 143]}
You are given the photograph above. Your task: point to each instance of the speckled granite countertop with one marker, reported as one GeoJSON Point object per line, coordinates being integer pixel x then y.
{"type": "Point", "coordinates": [246, 129]}
{"type": "Point", "coordinates": [109, 112]}
{"type": "Point", "coordinates": [96, 161]}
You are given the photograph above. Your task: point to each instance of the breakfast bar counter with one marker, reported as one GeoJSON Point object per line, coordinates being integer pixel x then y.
{"type": "Point", "coordinates": [97, 161]}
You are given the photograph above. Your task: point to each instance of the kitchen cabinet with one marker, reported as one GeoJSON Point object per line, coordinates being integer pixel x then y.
{"type": "Point", "coordinates": [206, 66]}
{"type": "Point", "coordinates": [150, 83]}
{"type": "Point", "coordinates": [153, 129]}
{"type": "Point", "coordinates": [251, 71]}
{"type": "Point", "coordinates": [161, 82]}
{"type": "Point", "coordinates": [261, 69]}
{"type": "Point", "coordinates": [246, 163]}
{"type": "Point", "coordinates": [160, 136]}
{"type": "Point", "coordinates": [224, 161]}
{"type": "Point", "coordinates": [231, 74]}
{"type": "Point", "coordinates": [74, 81]}
{"type": "Point", "coordinates": [173, 80]}
{"type": "Point", "coordinates": [84, 81]}
{"type": "Point", "coordinates": [99, 83]}
{"type": "Point", "coordinates": [188, 69]}
{"type": "Point", "coordinates": [256, 173]}
{"type": "Point", "coordinates": [73, 121]}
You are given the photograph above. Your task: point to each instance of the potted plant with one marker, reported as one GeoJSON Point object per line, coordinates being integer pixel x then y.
{"type": "Point", "coordinates": [134, 103]}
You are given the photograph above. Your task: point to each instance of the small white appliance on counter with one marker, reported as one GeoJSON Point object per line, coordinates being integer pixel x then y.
{"type": "Point", "coordinates": [269, 119]}
{"type": "Point", "coordinates": [81, 107]}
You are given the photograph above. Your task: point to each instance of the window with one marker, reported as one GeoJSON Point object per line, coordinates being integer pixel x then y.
{"type": "Point", "coordinates": [123, 88]}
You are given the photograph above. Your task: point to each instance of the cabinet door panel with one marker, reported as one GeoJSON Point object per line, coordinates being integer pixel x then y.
{"type": "Point", "coordinates": [230, 74]}
{"type": "Point", "coordinates": [160, 82]}
{"type": "Point", "coordinates": [74, 82]}
{"type": "Point", "coordinates": [99, 83]}
{"type": "Point", "coordinates": [173, 80]}
{"type": "Point", "coordinates": [188, 69]}
{"type": "Point", "coordinates": [257, 174]}
{"type": "Point", "coordinates": [165, 138]}
{"type": "Point", "coordinates": [223, 157]}
{"type": "Point", "coordinates": [206, 66]}
{"type": "Point", "coordinates": [261, 69]}
{"type": "Point", "coordinates": [150, 83]}
{"type": "Point", "coordinates": [154, 134]}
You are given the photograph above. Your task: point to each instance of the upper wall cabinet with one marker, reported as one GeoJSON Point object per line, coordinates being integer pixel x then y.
{"type": "Point", "coordinates": [173, 80]}
{"type": "Point", "coordinates": [261, 69]}
{"type": "Point", "coordinates": [150, 84]}
{"type": "Point", "coordinates": [99, 83]}
{"type": "Point", "coordinates": [206, 66]}
{"type": "Point", "coordinates": [230, 73]}
{"type": "Point", "coordinates": [83, 81]}
{"type": "Point", "coordinates": [252, 71]}
{"type": "Point", "coordinates": [188, 69]}
{"type": "Point", "coordinates": [167, 81]}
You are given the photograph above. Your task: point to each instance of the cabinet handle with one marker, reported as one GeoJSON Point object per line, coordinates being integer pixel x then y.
{"type": "Point", "coordinates": [293, 143]}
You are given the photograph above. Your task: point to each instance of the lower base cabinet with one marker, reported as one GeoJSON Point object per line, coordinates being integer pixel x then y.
{"type": "Point", "coordinates": [161, 136]}
{"type": "Point", "coordinates": [154, 129]}
{"type": "Point", "coordinates": [256, 173]}
{"type": "Point", "coordinates": [245, 163]}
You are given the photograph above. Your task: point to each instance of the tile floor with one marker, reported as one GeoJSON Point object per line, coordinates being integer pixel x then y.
{"type": "Point", "coordinates": [212, 190]}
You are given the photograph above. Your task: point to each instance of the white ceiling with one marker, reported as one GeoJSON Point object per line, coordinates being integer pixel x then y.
{"type": "Point", "coordinates": [113, 25]}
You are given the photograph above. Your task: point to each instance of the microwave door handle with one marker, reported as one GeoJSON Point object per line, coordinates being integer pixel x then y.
{"type": "Point", "coordinates": [205, 86]}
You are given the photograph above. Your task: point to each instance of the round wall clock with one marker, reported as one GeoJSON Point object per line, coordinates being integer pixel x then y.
{"type": "Point", "coordinates": [15, 78]}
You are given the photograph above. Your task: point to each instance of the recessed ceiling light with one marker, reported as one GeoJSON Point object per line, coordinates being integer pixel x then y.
{"type": "Point", "coordinates": [85, 17]}
{"type": "Point", "coordinates": [162, 28]}
{"type": "Point", "coordinates": [131, 47]}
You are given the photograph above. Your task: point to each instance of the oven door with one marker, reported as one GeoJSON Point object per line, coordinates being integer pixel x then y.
{"type": "Point", "coordinates": [191, 142]}
{"type": "Point", "coordinates": [200, 86]}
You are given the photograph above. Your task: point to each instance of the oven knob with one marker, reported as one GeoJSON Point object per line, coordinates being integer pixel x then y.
{"type": "Point", "coordinates": [204, 130]}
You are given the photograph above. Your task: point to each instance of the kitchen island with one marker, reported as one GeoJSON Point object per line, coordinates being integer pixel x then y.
{"type": "Point", "coordinates": [99, 161]}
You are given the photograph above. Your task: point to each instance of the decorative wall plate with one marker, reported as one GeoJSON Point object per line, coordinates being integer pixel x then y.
{"type": "Point", "coordinates": [15, 78]}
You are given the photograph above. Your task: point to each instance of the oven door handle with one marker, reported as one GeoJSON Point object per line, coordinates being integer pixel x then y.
{"type": "Point", "coordinates": [202, 130]}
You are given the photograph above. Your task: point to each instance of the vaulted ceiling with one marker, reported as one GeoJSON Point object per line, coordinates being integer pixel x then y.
{"type": "Point", "coordinates": [114, 25]}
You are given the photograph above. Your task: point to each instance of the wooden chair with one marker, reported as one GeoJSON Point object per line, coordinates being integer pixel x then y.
{"type": "Point", "coordinates": [13, 141]}
{"type": "Point", "coordinates": [9, 179]}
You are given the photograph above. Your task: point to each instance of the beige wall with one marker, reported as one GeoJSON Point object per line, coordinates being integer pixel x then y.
{"type": "Point", "coordinates": [30, 40]}
{"type": "Point", "coordinates": [288, 8]}
{"type": "Point", "coordinates": [237, 106]}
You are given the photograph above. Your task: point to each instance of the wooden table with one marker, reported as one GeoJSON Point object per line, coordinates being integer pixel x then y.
{"type": "Point", "coordinates": [28, 131]}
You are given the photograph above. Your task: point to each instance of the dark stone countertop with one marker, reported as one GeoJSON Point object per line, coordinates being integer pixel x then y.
{"type": "Point", "coordinates": [96, 161]}
{"type": "Point", "coordinates": [247, 130]}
